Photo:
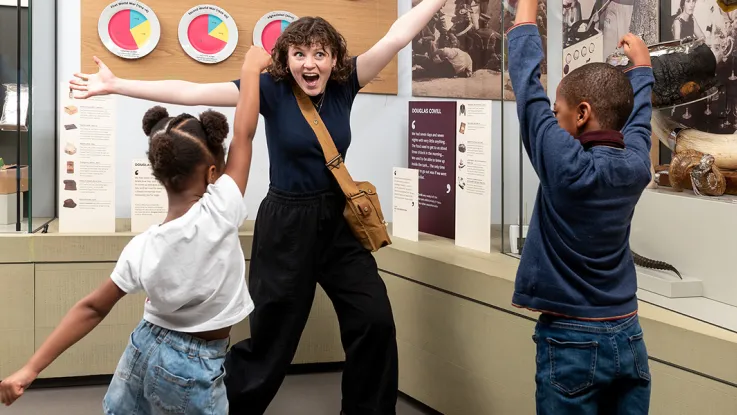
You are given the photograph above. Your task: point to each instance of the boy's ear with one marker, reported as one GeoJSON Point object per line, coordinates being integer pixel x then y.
{"type": "Point", "coordinates": [583, 114]}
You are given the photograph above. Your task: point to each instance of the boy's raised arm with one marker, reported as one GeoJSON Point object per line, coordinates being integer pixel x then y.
{"type": "Point", "coordinates": [246, 117]}
{"type": "Point", "coordinates": [555, 154]}
{"type": "Point", "coordinates": [638, 130]}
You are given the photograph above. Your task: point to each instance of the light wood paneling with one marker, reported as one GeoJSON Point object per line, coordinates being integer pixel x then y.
{"type": "Point", "coordinates": [677, 392]}
{"type": "Point", "coordinates": [63, 248]}
{"type": "Point", "coordinates": [58, 288]}
{"type": "Point", "coordinates": [362, 23]}
{"type": "Point", "coordinates": [460, 357]}
{"type": "Point", "coordinates": [456, 355]}
{"type": "Point", "coordinates": [15, 248]}
{"type": "Point", "coordinates": [16, 324]}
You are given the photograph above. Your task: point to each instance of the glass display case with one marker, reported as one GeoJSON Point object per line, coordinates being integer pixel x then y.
{"type": "Point", "coordinates": [27, 116]}
{"type": "Point", "coordinates": [686, 223]}
{"type": "Point", "coordinates": [684, 229]}
{"type": "Point", "coordinates": [461, 55]}
{"type": "Point", "coordinates": [519, 181]}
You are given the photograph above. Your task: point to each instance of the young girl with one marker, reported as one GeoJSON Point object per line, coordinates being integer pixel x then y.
{"type": "Point", "coordinates": [191, 267]}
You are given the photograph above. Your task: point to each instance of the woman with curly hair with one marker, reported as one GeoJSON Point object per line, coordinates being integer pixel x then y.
{"type": "Point", "coordinates": [301, 238]}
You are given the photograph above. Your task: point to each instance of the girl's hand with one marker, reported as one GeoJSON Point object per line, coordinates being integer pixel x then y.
{"type": "Point", "coordinates": [257, 58]}
{"type": "Point", "coordinates": [14, 385]}
{"type": "Point", "coordinates": [90, 85]}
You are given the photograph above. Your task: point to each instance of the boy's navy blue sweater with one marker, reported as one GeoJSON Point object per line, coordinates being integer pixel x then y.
{"type": "Point", "coordinates": [576, 260]}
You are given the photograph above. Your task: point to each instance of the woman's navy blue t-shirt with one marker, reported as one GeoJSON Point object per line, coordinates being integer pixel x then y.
{"type": "Point", "coordinates": [296, 160]}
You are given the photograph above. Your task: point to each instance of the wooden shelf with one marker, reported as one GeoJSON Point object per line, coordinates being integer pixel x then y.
{"type": "Point", "coordinates": [13, 127]}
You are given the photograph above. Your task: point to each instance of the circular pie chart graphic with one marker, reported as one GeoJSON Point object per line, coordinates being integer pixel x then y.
{"type": "Point", "coordinates": [269, 27]}
{"type": "Point", "coordinates": [129, 29]}
{"type": "Point", "coordinates": [208, 34]}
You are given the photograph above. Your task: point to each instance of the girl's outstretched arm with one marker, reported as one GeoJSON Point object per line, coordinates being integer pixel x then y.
{"type": "Point", "coordinates": [77, 323]}
{"type": "Point", "coordinates": [246, 117]}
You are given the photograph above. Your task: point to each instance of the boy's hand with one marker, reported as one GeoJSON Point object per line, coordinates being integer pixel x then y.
{"type": "Point", "coordinates": [14, 385]}
{"type": "Point", "coordinates": [635, 49]}
{"type": "Point", "coordinates": [257, 59]}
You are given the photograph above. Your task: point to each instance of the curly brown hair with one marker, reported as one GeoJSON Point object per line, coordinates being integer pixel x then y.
{"type": "Point", "coordinates": [309, 31]}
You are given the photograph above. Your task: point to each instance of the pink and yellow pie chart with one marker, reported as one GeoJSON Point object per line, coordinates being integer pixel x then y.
{"type": "Point", "coordinates": [270, 26]}
{"type": "Point", "coordinates": [129, 29]}
{"type": "Point", "coordinates": [208, 34]}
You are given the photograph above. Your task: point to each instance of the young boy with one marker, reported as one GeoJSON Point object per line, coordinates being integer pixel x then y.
{"type": "Point", "coordinates": [576, 269]}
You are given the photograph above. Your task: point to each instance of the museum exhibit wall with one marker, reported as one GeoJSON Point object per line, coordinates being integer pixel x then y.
{"type": "Point", "coordinates": [463, 348]}
{"type": "Point", "coordinates": [379, 124]}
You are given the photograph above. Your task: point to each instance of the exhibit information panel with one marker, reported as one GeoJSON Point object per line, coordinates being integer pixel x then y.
{"type": "Point", "coordinates": [405, 203]}
{"type": "Point", "coordinates": [473, 169]}
{"type": "Point", "coordinates": [86, 163]}
{"type": "Point", "coordinates": [149, 202]}
{"type": "Point", "coordinates": [432, 136]}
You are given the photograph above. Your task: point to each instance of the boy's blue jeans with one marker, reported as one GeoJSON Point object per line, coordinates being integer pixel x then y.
{"type": "Point", "coordinates": [591, 367]}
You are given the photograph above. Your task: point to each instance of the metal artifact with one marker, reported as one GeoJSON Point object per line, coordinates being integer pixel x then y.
{"type": "Point", "coordinates": [679, 172]}
{"type": "Point", "coordinates": [706, 178]}
{"type": "Point", "coordinates": [684, 71]}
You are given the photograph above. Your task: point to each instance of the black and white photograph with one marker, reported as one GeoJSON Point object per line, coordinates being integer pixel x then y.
{"type": "Point", "coordinates": [459, 53]}
{"type": "Point", "coordinates": [702, 19]}
{"type": "Point", "coordinates": [592, 28]}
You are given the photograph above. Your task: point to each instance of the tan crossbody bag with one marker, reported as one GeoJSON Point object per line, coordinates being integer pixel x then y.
{"type": "Point", "coordinates": [363, 210]}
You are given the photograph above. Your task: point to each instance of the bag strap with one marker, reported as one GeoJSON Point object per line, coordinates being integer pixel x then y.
{"type": "Point", "coordinates": [333, 159]}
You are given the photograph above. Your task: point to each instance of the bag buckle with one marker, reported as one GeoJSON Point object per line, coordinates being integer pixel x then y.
{"type": "Point", "coordinates": [335, 162]}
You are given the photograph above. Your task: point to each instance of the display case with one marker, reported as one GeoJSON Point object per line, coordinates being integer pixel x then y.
{"type": "Point", "coordinates": [519, 181]}
{"type": "Point", "coordinates": [27, 116]}
{"type": "Point", "coordinates": [684, 229]}
{"type": "Point", "coordinates": [687, 221]}
{"type": "Point", "coordinates": [461, 55]}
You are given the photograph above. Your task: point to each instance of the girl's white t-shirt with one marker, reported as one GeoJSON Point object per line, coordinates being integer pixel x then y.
{"type": "Point", "coordinates": [192, 268]}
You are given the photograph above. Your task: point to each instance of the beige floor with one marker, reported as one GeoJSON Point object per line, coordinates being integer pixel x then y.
{"type": "Point", "coordinates": [314, 394]}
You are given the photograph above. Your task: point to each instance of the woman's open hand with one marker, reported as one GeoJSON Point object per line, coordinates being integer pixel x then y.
{"type": "Point", "coordinates": [90, 85]}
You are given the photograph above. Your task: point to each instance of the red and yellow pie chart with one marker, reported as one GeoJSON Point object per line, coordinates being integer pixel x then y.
{"type": "Point", "coordinates": [129, 29]}
{"type": "Point", "coordinates": [270, 26]}
{"type": "Point", "coordinates": [208, 34]}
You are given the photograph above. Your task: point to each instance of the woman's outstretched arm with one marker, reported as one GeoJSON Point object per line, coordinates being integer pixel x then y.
{"type": "Point", "coordinates": [374, 60]}
{"type": "Point", "coordinates": [104, 82]}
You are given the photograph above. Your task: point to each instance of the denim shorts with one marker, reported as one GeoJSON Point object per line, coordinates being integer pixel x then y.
{"type": "Point", "coordinates": [591, 367]}
{"type": "Point", "coordinates": [168, 372]}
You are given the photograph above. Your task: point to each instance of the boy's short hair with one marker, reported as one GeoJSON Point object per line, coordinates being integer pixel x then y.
{"type": "Point", "coordinates": [606, 88]}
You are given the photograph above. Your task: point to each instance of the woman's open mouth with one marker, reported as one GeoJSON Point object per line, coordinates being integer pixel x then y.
{"type": "Point", "coordinates": [311, 79]}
